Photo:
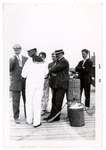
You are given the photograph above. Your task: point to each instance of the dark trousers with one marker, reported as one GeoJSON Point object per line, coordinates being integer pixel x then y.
{"type": "Point", "coordinates": [57, 101]}
{"type": "Point", "coordinates": [86, 86]}
{"type": "Point", "coordinates": [24, 100]}
{"type": "Point", "coordinates": [16, 102]}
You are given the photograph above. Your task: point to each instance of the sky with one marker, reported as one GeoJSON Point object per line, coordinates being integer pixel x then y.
{"type": "Point", "coordinates": [48, 27]}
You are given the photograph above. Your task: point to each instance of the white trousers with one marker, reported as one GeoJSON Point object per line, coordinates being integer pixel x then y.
{"type": "Point", "coordinates": [45, 97]}
{"type": "Point", "coordinates": [33, 105]}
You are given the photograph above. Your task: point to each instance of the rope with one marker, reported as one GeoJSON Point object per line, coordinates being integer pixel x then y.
{"type": "Point", "coordinates": [88, 111]}
{"type": "Point", "coordinates": [57, 114]}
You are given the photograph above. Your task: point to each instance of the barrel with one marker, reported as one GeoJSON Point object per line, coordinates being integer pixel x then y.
{"type": "Point", "coordinates": [73, 90]}
{"type": "Point", "coordinates": [76, 115]}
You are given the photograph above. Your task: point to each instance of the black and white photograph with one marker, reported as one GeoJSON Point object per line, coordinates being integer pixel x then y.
{"type": "Point", "coordinates": [52, 53]}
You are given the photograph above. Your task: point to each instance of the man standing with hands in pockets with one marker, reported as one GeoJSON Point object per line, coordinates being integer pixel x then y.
{"type": "Point", "coordinates": [17, 84]}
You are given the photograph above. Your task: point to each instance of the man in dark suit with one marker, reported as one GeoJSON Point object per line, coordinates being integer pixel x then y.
{"type": "Point", "coordinates": [84, 71]}
{"type": "Point", "coordinates": [17, 84]}
{"type": "Point", "coordinates": [52, 76]}
{"type": "Point", "coordinates": [59, 84]}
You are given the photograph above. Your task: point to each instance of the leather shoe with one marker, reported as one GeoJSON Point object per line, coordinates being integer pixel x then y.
{"type": "Point", "coordinates": [44, 112]}
{"type": "Point", "coordinates": [47, 118]}
{"type": "Point", "coordinates": [37, 125]}
{"type": "Point", "coordinates": [56, 119]}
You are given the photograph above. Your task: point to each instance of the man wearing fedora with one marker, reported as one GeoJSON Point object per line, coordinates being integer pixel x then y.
{"type": "Point", "coordinates": [17, 83]}
{"type": "Point", "coordinates": [60, 84]}
{"type": "Point", "coordinates": [84, 70]}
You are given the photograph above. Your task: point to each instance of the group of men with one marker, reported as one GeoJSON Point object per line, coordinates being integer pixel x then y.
{"type": "Point", "coordinates": [57, 75]}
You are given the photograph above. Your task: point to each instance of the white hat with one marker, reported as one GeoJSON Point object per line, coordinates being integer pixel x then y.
{"type": "Point", "coordinates": [35, 49]}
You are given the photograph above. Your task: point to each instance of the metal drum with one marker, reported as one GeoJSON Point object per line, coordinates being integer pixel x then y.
{"type": "Point", "coordinates": [76, 114]}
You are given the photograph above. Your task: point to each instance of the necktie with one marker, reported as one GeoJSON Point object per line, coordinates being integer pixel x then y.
{"type": "Point", "coordinates": [19, 61]}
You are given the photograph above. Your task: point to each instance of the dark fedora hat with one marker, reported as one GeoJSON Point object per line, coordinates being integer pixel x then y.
{"type": "Point", "coordinates": [60, 51]}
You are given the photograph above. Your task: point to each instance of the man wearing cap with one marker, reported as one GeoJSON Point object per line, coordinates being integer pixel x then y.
{"type": "Point", "coordinates": [60, 84]}
{"type": "Point", "coordinates": [34, 71]}
{"type": "Point", "coordinates": [84, 70]}
{"type": "Point", "coordinates": [17, 84]}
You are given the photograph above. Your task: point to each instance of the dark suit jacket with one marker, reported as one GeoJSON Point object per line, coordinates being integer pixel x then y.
{"type": "Point", "coordinates": [84, 73]}
{"type": "Point", "coordinates": [52, 76]}
{"type": "Point", "coordinates": [16, 81]}
{"type": "Point", "coordinates": [61, 69]}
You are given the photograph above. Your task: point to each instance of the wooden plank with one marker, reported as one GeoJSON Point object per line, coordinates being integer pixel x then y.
{"type": "Point", "coordinates": [54, 131]}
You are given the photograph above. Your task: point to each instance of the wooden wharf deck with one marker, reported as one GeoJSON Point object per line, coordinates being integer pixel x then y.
{"type": "Point", "coordinates": [60, 130]}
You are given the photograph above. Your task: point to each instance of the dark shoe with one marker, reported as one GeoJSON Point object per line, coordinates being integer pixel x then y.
{"type": "Point", "coordinates": [17, 121]}
{"type": "Point", "coordinates": [37, 125]}
{"type": "Point", "coordinates": [44, 112]}
{"type": "Point", "coordinates": [47, 118]}
{"type": "Point", "coordinates": [56, 119]}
